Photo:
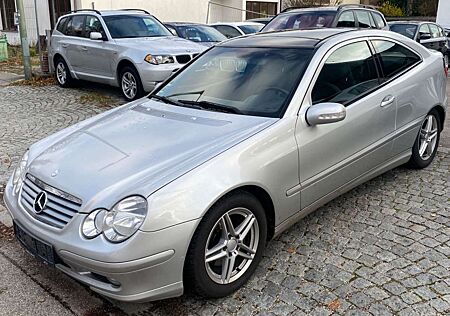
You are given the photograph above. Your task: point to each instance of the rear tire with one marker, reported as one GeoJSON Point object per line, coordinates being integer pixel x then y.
{"type": "Point", "coordinates": [226, 247]}
{"type": "Point", "coordinates": [427, 142]}
{"type": "Point", "coordinates": [62, 73]}
{"type": "Point", "coordinates": [130, 83]}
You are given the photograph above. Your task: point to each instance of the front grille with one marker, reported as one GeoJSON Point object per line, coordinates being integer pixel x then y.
{"type": "Point", "coordinates": [60, 207]}
{"type": "Point", "coordinates": [183, 59]}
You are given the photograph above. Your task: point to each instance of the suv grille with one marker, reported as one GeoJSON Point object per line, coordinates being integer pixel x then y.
{"type": "Point", "coordinates": [183, 59]}
{"type": "Point", "coordinates": [60, 207]}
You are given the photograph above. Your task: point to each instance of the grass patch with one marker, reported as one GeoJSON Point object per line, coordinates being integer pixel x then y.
{"type": "Point", "coordinates": [97, 99]}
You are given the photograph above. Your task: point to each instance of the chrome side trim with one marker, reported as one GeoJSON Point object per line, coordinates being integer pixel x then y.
{"type": "Point", "coordinates": [391, 164]}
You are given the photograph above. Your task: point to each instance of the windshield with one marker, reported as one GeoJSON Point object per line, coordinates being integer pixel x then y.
{"type": "Point", "coordinates": [250, 29]}
{"type": "Point", "coordinates": [128, 26]}
{"type": "Point", "coordinates": [408, 30]}
{"type": "Point", "coordinates": [250, 81]}
{"type": "Point", "coordinates": [301, 20]}
{"type": "Point", "coordinates": [200, 33]}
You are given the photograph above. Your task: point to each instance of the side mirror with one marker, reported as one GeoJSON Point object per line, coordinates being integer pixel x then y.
{"type": "Point", "coordinates": [325, 113]}
{"type": "Point", "coordinates": [96, 36]}
{"type": "Point", "coordinates": [425, 36]}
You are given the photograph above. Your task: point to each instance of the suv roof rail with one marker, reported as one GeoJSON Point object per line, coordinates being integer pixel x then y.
{"type": "Point", "coordinates": [91, 10]}
{"type": "Point", "coordinates": [140, 10]}
{"type": "Point", "coordinates": [365, 6]}
{"type": "Point", "coordinates": [291, 8]}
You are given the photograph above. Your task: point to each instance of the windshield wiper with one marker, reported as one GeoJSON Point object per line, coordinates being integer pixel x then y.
{"type": "Point", "coordinates": [174, 102]}
{"type": "Point", "coordinates": [213, 106]}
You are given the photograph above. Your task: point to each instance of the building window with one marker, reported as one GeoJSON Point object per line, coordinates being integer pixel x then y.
{"type": "Point", "coordinates": [259, 9]}
{"type": "Point", "coordinates": [7, 9]}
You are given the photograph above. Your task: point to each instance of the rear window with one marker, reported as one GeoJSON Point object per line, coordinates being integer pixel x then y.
{"type": "Point", "coordinates": [394, 58]}
{"type": "Point", "coordinates": [301, 20]}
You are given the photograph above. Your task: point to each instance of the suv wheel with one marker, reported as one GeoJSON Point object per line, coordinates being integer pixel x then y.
{"type": "Point", "coordinates": [130, 83]}
{"type": "Point", "coordinates": [227, 246]}
{"type": "Point", "coordinates": [62, 73]}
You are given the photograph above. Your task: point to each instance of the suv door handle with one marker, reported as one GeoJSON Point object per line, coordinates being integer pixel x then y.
{"type": "Point", "coordinates": [65, 45]}
{"type": "Point", "coordinates": [84, 48]}
{"type": "Point", "coordinates": [388, 100]}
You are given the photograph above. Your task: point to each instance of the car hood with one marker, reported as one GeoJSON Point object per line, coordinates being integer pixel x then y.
{"type": "Point", "coordinates": [170, 45]}
{"type": "Point", "coordinates": [139, 149]}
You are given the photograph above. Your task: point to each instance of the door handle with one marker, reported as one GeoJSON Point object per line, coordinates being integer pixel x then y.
{"type": "Point", "coordinates": [65, 45]}
{"type": "Point", "coordinates": [84, 48]}
{"type": "Point", "coordinates": [388, 100]}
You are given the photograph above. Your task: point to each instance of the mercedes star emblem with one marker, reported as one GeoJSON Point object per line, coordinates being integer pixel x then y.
{"type": "Point", "coordinates": [40, 202]}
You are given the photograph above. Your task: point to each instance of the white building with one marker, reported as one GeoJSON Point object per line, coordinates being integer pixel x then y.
{"type": "Point", "coordinates": [203, 11]}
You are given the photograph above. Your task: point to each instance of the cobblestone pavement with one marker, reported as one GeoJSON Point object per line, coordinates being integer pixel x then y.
{"type": "Point", "coordinates": [381, 249]}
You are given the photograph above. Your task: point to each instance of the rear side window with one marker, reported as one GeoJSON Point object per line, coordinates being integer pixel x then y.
{"type": "Point", "coordinates": [75, 27]}
{"type": "Point", "coordinates": [434, 31]}
{"type": "Point", "coordinates": [347, 19]}
{"type": "Point", "coordinates": [62, 25]}
{"type": "Point", "coordinates": [379, 21]}
{"type": "Point", "coordinates": [363, 18]}
{"type": "Point", "coordinates": [348, 74]}
{"type": "Point", "coordinates": [394, 58]}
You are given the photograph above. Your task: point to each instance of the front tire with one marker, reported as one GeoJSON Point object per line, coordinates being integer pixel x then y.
{"type": "Point", "coordinates": [227, 246]}
{"type": "Point", "coordinates": [427, 142]}
{"type": "Point", "coordinates": [130, 83]}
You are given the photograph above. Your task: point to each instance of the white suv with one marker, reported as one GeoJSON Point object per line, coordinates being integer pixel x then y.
{"type": "Point", "coordinates": [130, 49]}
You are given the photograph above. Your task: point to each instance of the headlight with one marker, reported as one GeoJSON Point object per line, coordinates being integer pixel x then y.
{"type": "Point", "coordinates": [19, 173]}
{"type": "Point", "coordinates": [120, 223]}
{"type": "Point", "coordinates": [159, 59]}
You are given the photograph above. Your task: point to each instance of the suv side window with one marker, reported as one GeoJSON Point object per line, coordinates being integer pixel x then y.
{"type": "Point", "coordinates": [346, 19]}
{"type": "Point", "coordinates": [379, 21]}
{"type": "Point", "coordinates": [228, 31]}
{"type": "Point", "coordinates": [348, 74]}
{"type": "Point", "coordinates": [434, 30]}
{"type": "Point", "coordinates": [93, 24]}
{"type": "Point", "coordinates": [424, 29]}
{"type": "Point", "coordinates": [62, 25]}
{"type": "Point", "coordinates": [394, 58]}
{"type": "Point", "coordinates": [363, 18]}
{"type": "Point", "coordinates": [75, 27]}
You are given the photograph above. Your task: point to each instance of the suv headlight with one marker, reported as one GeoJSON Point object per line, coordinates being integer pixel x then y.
{"type": "Point", "coordinates": [159, 59]}
{"type": "Point", "coordinates": [19, 173]}
{"type": "Point", "coordinates": [119, 224]}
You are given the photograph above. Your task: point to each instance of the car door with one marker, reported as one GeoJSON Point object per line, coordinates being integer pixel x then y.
{"type": "Point", "coordinates": [97, 55]}
{"type": "Point", "coordinates": [332, 155]}
{"type": "Point", "coordinates": [73, 42]}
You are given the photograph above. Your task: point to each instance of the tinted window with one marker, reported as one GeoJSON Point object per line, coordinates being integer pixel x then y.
{"type": "Point", "coordinates": [300, 20]}
{"type": "Point", "coordinates": [348, 73]}
{"type": "Point", "coordinates": [62, 25]}
{"type": "Point", "coordinates": [424, 29]}
{"type": "Point", "coordinates": [132, 26]}
{"type": "Point", "coordinates": [394, 58]}
{"type": "Point", "coordinates": [228, 31]}
{"type": "Point", "coordinates": [250, 29]}
{"type": "Point", "coordinates": [434, 30]}
{"type": "Point", "coordinates": [200, 33]}
{"type": "Point", "coordinates": [347, 19]}
{"type": "Point", "coordinates": [378, 20]}
{"type": "Point", "coordinates": [93, 24]}
{"type": "Point", "coordinates": [256, 81]}
{"type": "Point", "coordinates": [75, 27]}
{"type": "Point", "coordinates": [363, 18]}
{"type": "Point", "coordinates": [408, 30]}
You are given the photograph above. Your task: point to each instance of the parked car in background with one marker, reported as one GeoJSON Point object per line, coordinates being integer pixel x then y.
{"type": "Point", "coordinates": [234, 29]}
{"type": "Point", "coordinates": [260, 20]}
{"type": "Point", "coordinates": [349, 15]}
{"type": "Point", "coordinates": [200, 33]}
{"type": "Point", "coordinates": [429, 34]}
{"type": "Point", "coordinates": [130, 49]}
{"type": "Point", "coordinates": [184, 189]}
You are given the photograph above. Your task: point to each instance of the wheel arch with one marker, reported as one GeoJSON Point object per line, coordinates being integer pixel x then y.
{"type": "Point", "coordinates": [56, 57]}
{"type": "Point", "coordinates": [441, 111]}
{"type": "Point", "coordinates": [122, 64]}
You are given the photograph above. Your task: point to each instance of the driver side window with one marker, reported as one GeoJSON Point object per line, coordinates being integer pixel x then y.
{"type": "Point", "coordinates": [347, 75]}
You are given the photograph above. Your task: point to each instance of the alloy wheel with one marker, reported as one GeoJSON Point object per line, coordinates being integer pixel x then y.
{"type": "Point", "coordinates": [428, 137]}
{"type": "Point", "coordinates": [231, 245]}
{"type": "Point", "coordinates": [61, 73]}
{"type": "Point", "coordinates": [129, 85]}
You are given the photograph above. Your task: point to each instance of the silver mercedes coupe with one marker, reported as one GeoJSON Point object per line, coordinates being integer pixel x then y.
{"type": "Point", "coordinates": [183, 189]}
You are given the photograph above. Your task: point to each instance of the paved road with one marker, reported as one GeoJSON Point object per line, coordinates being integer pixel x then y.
{"type": "Point", "coordinates": [380, 249]}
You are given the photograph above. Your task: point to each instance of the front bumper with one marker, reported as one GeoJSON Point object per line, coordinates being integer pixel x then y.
{"type": "Point", "coordinates": [146, 267]}
{"type": "Point", "coordinates": [152, 75]}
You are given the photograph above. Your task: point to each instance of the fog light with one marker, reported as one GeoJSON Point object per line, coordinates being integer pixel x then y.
{"type": "Point", "coordinates": [114, 282]}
